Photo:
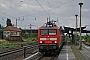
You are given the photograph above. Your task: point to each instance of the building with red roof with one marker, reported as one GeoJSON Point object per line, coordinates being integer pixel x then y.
{"type": "Point", "coordinates": [12, 33]}
{"type": "Point", "coordinates": [11, 28]}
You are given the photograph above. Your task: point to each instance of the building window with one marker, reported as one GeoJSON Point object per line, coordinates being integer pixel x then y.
{"type": "Point", "coordinates": [6, 32]}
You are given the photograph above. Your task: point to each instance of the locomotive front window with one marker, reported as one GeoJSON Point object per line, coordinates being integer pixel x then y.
{"type": "Point", "coordinates": [44, 32]}
{"type": "Point", "coordinates": [52, 32]}
{"type": "Point", "coordinates": [48, 32]}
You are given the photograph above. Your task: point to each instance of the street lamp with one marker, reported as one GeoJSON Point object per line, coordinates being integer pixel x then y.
{"type": "Point", "coordinates": [80, 25]}
{"type": "Point", "coordinates": [76, 29]}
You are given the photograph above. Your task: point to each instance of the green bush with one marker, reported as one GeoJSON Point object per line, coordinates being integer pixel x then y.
{"type": "Point", "coordinates": [86, 38]}
{"type": "Point", "coordinates": [8, 44]}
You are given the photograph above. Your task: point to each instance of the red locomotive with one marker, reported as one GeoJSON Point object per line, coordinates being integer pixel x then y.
{"type": "Point", "coordinates": [49, 38]}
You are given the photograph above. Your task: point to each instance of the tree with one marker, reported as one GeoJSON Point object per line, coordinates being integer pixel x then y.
{"type": "Point", "coordinates": [8, 22]}
{"type": "Point", "coordinates": [0, 25]}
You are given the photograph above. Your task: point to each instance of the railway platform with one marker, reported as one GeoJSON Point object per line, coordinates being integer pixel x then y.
{"type": "Point", "coordinates": [72, 52]}
{"type": "Point", "coordinates": [66, 53]}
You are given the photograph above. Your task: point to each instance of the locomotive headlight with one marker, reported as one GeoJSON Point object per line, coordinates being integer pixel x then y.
{"type": "Point", "coordinates": [40, 41]}
{"type": "Point", "coordinates": [55, 41]}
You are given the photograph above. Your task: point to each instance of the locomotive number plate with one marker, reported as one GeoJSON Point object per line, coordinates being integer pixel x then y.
{"type": "Point", "coordinates": [48, 41]}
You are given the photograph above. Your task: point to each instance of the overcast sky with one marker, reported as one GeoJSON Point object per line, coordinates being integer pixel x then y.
{"type": "Point", "coordinates": [35, 12]}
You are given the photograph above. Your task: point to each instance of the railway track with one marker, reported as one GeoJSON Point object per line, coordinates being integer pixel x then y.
{"type": "Point", "coordinates": [50, 57]}
{"type": "Point", "coordinates": [40, 56]}
{"type": "Point", "coordinates": [18, 52]}
{"type": "Point", "coordinates": [47, 58]}
{"type": "Point", "coordinates": [77, 53]}
{"type": "Point", "coordinates": [85, 51]}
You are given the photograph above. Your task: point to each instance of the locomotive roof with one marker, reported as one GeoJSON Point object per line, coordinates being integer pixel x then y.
{"type": "Point", "coordinates": [44, 27]}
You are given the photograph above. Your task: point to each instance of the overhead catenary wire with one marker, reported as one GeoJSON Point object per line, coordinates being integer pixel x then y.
{"type": "Point", "coordinates": [48, 9]}
{"type": "Point", "coordinates": [13, 9]}
{"type": "Point", "coordinates": [8, 6]}
{"type": "Point", "coordinates": [11, 6]}
{"type": "Point", "coordinates": [7, 15]}
{"type": "Point", "coordinates": [58, 7]}
{"type": "Point", "coordinates": [39, 12]}
{"type": "Point", "coordinates": [43, 8]}
{"type": "Point", "coordinates": [65, 3]}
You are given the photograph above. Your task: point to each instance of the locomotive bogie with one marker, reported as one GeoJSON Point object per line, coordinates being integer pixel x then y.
{"type": "Point", "coordinates": [48, 48]}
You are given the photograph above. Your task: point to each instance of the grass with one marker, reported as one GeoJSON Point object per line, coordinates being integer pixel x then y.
{"type": "Point", "coordinates": [79, 48]}
{"type": "Point", "coordinates": [76, 58]}
{"type": "Point", "coordinates": [73, 52]}
{"type": "Point", "coordinates": [12, 45]}
{"type": "Point", "coordinates": [7, 45]}
{"type": "Point", "coordinates": [29, 41]}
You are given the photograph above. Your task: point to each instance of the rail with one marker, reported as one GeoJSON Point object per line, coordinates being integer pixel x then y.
{"type": "Point", "coordinates": [10, 52]}
{"type": "Point", "coordinates": [23, 49]}
{"type": "Point", "coordinates": [33, 57]}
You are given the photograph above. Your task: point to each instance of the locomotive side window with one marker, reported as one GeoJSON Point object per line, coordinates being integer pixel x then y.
{"type": "Point", "coordinates": [52, 32]}
{"type": "Point", "coordinates": [44, 32]}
